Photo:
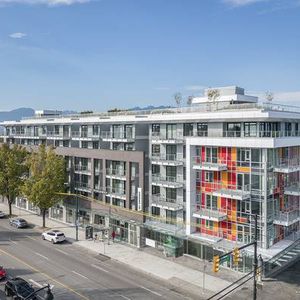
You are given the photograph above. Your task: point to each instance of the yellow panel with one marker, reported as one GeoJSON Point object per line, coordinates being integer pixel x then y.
{"type": "Point", "coordinates": [219, 202]}
{"type": "Point", "coordinates": [233, 215]}
{"type": "Point", "coordinates": [243, 169]}
{"type": "Point", "coordinates": [215, 226]}
{"type": "Point", "coordinates": [224, 177]}
{"type": "Point", "coordinates": [233, 154]}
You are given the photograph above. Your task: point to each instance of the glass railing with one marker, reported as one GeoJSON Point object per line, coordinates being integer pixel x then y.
{"type": "Point", "coordinates": [82, 185]}
{"type": "Point", "coordinates": [178, 135]}
{"type": "Point", "coordinates": [117, 172]}
{"type": "Point", "coordinates": [288, 216]}
{"type": "Point", "coordinates": [175, 179]}
{"type": "Point", "coordinates": [169, 157]}
{"type": "Point", "coordinates": [82, 168]}
{"type": "Point", "coordinates": [116, 135]}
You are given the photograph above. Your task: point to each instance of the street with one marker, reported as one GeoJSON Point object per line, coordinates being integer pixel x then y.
{"type": "Point", "coordinates": [72, 272]}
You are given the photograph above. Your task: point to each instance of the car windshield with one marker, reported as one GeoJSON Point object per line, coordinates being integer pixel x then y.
{"type": "Point", "coordinates": [60, 234]}
{"type": "Point", "coordinates": [21, 220]}
{"type": "Point", "coordinates": [24, 289]}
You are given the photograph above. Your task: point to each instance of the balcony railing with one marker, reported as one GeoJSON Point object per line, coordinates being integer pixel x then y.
{"type": "Point", "coordinates": [167, 203]}
{"type": "Point", "coordinates": [287, 165]}
{"type": "Point", "coordinates": [116, 172]}
{"type": "Point", "coordinates": [209, 164]}
{"type": "Point", "coordinates": [210, 214]}
{"type": "Point", "coordinates": [292, 189]}
{"type": "Point", "coordinates": [287, 218]}
{"type": "Point", "coordinates": [221, 189]}
{"type": "Point", "coordinates": [178, 136]}
{"type": "Point", "coordinates": [167, 157]}
{"type": "Point", "coordinates": [82, 185]}
{"type": "Point", "coordinates": [172, 181]}
{"type": "Point", "coordinates": [82, 168]}
{"type": "Point", "coordinates": [116, 191]}
{"type": "Point", "coordinates": [117, 135]}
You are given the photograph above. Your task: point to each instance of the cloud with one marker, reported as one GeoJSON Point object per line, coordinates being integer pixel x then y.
{"type": "Point", "coordinates": [17, 35]}
{"type": "Point", "coordinates": [238, 3]}
{"type": "Point", "coordinates": [44, 2]}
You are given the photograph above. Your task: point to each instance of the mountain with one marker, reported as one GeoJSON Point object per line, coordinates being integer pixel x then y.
{"type": "Point", "coordinates": [16, 114]}
{"type": "Point", "coordinates": [149, 107]}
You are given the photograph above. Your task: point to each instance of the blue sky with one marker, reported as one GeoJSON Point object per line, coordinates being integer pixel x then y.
{"type": "Point", "coordinates": [100, 54]}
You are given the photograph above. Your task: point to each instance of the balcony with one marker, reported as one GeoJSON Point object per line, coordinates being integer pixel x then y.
{"type": "Point", "coordinates": [175, 138]}
{"type": "Point", "coordinates": [118, 136]}
{"type": "Point", "coordinates": [23, 135]}
{"type": "Point", "coordinates": [118, 173]}
{"type": "Point", "coordinates": [288, 165]}
{"type": "Point", "coordinates": [292, 190]}
{"type": "Point", "coordinates": [82, 186]}
{"type": "Point", "coordinates": [287, 218]}
{"type": "Point", "coordinates": [54, 135]}
{"type": "Point", "coordinates": [84, 136]}
{"type": "Point", "coordinates": [213, 164]}
{"type": "Point", "coordinates": [165, 203]}
{"type": "Point", "coordinates": [116, 192]}
{"type": "Point", "coordinates": [209, 214]}
{"type": "Point", "coordinates": [168, 181]}
{"type": "Point", "coordinates": [220, 189]}
{"type": "Point", "coordinates": [167, 159]}
{"type": "Point", "coordinates": [82, 169]}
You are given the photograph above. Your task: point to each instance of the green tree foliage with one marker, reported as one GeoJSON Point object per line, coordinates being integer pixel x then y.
{"type": "Point", "coordinates": [46, 179]}
{"type": "Point", "coordinates": [12, 172]}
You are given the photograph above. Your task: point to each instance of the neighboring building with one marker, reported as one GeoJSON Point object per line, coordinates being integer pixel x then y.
{"type": "Point", "coordinates": [186, 180]}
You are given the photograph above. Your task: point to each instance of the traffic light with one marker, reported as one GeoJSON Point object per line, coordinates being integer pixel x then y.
{"type": "Point", "coordinates": [216, 263]}
{"type": "Point", "coordinates": [236, 256]}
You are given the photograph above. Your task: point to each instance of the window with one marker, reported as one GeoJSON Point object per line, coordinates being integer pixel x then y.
{"type": "Point", "coordinates": [233, 130]}
{"type": "Point", "coordinates": [171, 152]}
{"type": "Point", "coordinates": [202, 129]}
{"type": "Point", "coordinates": [95, 145]}
{"type": "Point", "coordinates": [155, 211]}
{"type": "Point", "coordinates": [243, 181]}
{"type": "Point", "coordinates": [171, 131]}
{"type": "Point", "coordinates": [209, 224]}
{"type": "Point", "coordinates": [288, 128]}
{"type": "Point", "coordinates": [188, 129]}
{"type": "Point", "coordinates": [211, 202]}
{"type": "Point", "coordinates": [156, 128]}
{"type": "Point", "coordinates": [171, 172]}
{"type": "Point", "coordinates": [155, 190]}
{"type": "Point", "coordinates": [84, 131]}
{"type": "Point", "coordinates": [171, 217]}
{"type": "Point", "coordinates": [243, 157]}
{"type": "Point", "coordinates": [250, 129]}
{"type": "Point", "coordinates": [155, 150]}
{"type": "Point", "coordinates": [155, 170]}
{"type": "Point", "coordinates": [209, 176]}
{"type": "Point", "coordinates": [84, 144]}
{"type": "Point", "coordinates": [99, 220]}
{"type": "Point", "coordinates": [129, 131]}
{"type": "Point", "coordinates": [269, 129]}
{"type": "Point", "coordinates": [128, 146]}
{"type": "Point", "coordinates": [211, 154]}
{"type": "Point", "coordinates": [171, 195]}
{"type": "Point", "coordinates": [96, 130]}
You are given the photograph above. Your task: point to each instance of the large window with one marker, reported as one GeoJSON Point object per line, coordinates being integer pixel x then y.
{"type": "Point", "coordinates": [202, 129]}
{"type": "Point", "coordinates": [171, 172]}
{"type": "Point", "coordinates": [170, 217]}
{"type": "Point", "coordinates": [188, 129]}
{"type": "Point", "coordinates": [233, 130]}
{"type": "Point", "coordinates": [211, 154]}
{"type": "Point", "coordinates": [211, 202]}
{"type": "Point", "coordinates": [171, 195]}
{"type": "Point", "coordinates": [243, 157]}
{"type": "Point", "coordinates": [250, 129]}
{"type": "Point", "coordinates": [171, 131]}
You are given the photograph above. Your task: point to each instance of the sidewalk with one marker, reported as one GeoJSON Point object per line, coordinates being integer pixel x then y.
{"type": "Point", "coordinates": [175, 273]}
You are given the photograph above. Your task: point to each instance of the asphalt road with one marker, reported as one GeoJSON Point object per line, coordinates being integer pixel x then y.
{"type": "Point", "coordinates": [73, 272]}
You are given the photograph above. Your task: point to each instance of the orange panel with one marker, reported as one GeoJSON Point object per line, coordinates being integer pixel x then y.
{"type": "Point", "coordinates": [219, 202]}
{"type": "Point", "coordinates": [233, 154]}
{"type": "Point", "coordinates": [243, 169]}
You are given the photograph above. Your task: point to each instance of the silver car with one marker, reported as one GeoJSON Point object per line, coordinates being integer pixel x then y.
{"type": "Point", "coordinates": [18, 222]}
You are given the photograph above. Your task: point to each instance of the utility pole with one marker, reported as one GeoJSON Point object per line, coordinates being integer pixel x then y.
{"type": "Point", "coordinates": [77, 217]}
{"type": "Point", "coordinates": [255, 259]}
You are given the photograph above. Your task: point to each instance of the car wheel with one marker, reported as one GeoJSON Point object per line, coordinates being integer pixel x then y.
{"type": "Point", "coordinates": [43, 237]}
{"type": "Point", "coordinates": [7, 293]}
{"type": "Point", "coordinates": [52, 241]}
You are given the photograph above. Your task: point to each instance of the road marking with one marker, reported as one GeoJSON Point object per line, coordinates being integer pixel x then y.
{"type": "Point", "coordinates": [99, 268]}
{"type": "Point", "coordinates": [153, 292]}
{"type": "Point", "coordinates": [28, 236]}
{"type": "Point", "coordinates": [62, 251]}
{"type": "Point", "coordinates": [41, 255]}
{"type": "Point", "coordinates": [36, 283]}
{"type": "Point", "coordinates": [124, 297]}
{"type": "Point", "coordinates": [44, 274]}
{"type": "Point", "coordinates": [14, 242]}
{"type": "Point", "coordinates": [80, 275]}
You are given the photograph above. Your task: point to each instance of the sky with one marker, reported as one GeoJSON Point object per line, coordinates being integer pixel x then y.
{"type": "Point", "coordinates": [101, 54]}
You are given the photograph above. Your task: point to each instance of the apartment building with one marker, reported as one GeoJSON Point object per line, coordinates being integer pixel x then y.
{"type": "Point", "coordinates": [185, 180]}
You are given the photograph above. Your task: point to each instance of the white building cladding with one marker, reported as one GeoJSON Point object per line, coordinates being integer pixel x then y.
{"type": "Point", "coordinates": [201, 172]}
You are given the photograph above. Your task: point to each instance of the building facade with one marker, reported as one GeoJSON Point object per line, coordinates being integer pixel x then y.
{"type": "Point", "coordinates": [186, 180]}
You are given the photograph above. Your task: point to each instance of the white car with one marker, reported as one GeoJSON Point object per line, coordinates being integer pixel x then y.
{"type": "Point", "coordinates": [2, 214]}
{"type": "Point", "coordinates": [54, 236]}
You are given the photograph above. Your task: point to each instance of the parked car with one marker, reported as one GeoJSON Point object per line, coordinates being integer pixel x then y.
{"type": "Point", "coordinates": [54, 236]}
{"type": "Point", "coordinates": [2, 214]}
{"type": "Point", "coordinates": [18, 222]}
{"type": "Point", "coordinates": [18, 288]}
{"type": "Point", "coordinates": [2, 273]}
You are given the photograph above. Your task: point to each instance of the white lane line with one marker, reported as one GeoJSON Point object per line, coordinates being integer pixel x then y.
{"type": "Point", "coordinates": [124, 297]}
{"type": "Point", "coordinates": [14, 242]}
{"type": "Point", "coordinates": [28, 236]}
{"type": "Point", "coordinates": [99, 268]}
{"type": "Point", "coordinates": [61, 251]}
{"type": "Point", "coordinates": [153, 292]}
{"type": "Point", "coordinates": [80, 275]}
{"type": "Point", "coordinates": [36, 283]}
{"type": "Point", "coordinates": [45, 257]}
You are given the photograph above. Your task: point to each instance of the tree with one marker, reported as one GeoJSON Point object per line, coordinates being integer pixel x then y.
{"type": "Point", "coordinates": [46, 179]}
{"type": "Point", "coordinates": [269, 96]}
{"type": "Point", "coordinates": [189, 100]}
{"type": "Point", "coordinates": [12, 171]}
{"type": "Point", "coordinates": [178, 98]}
